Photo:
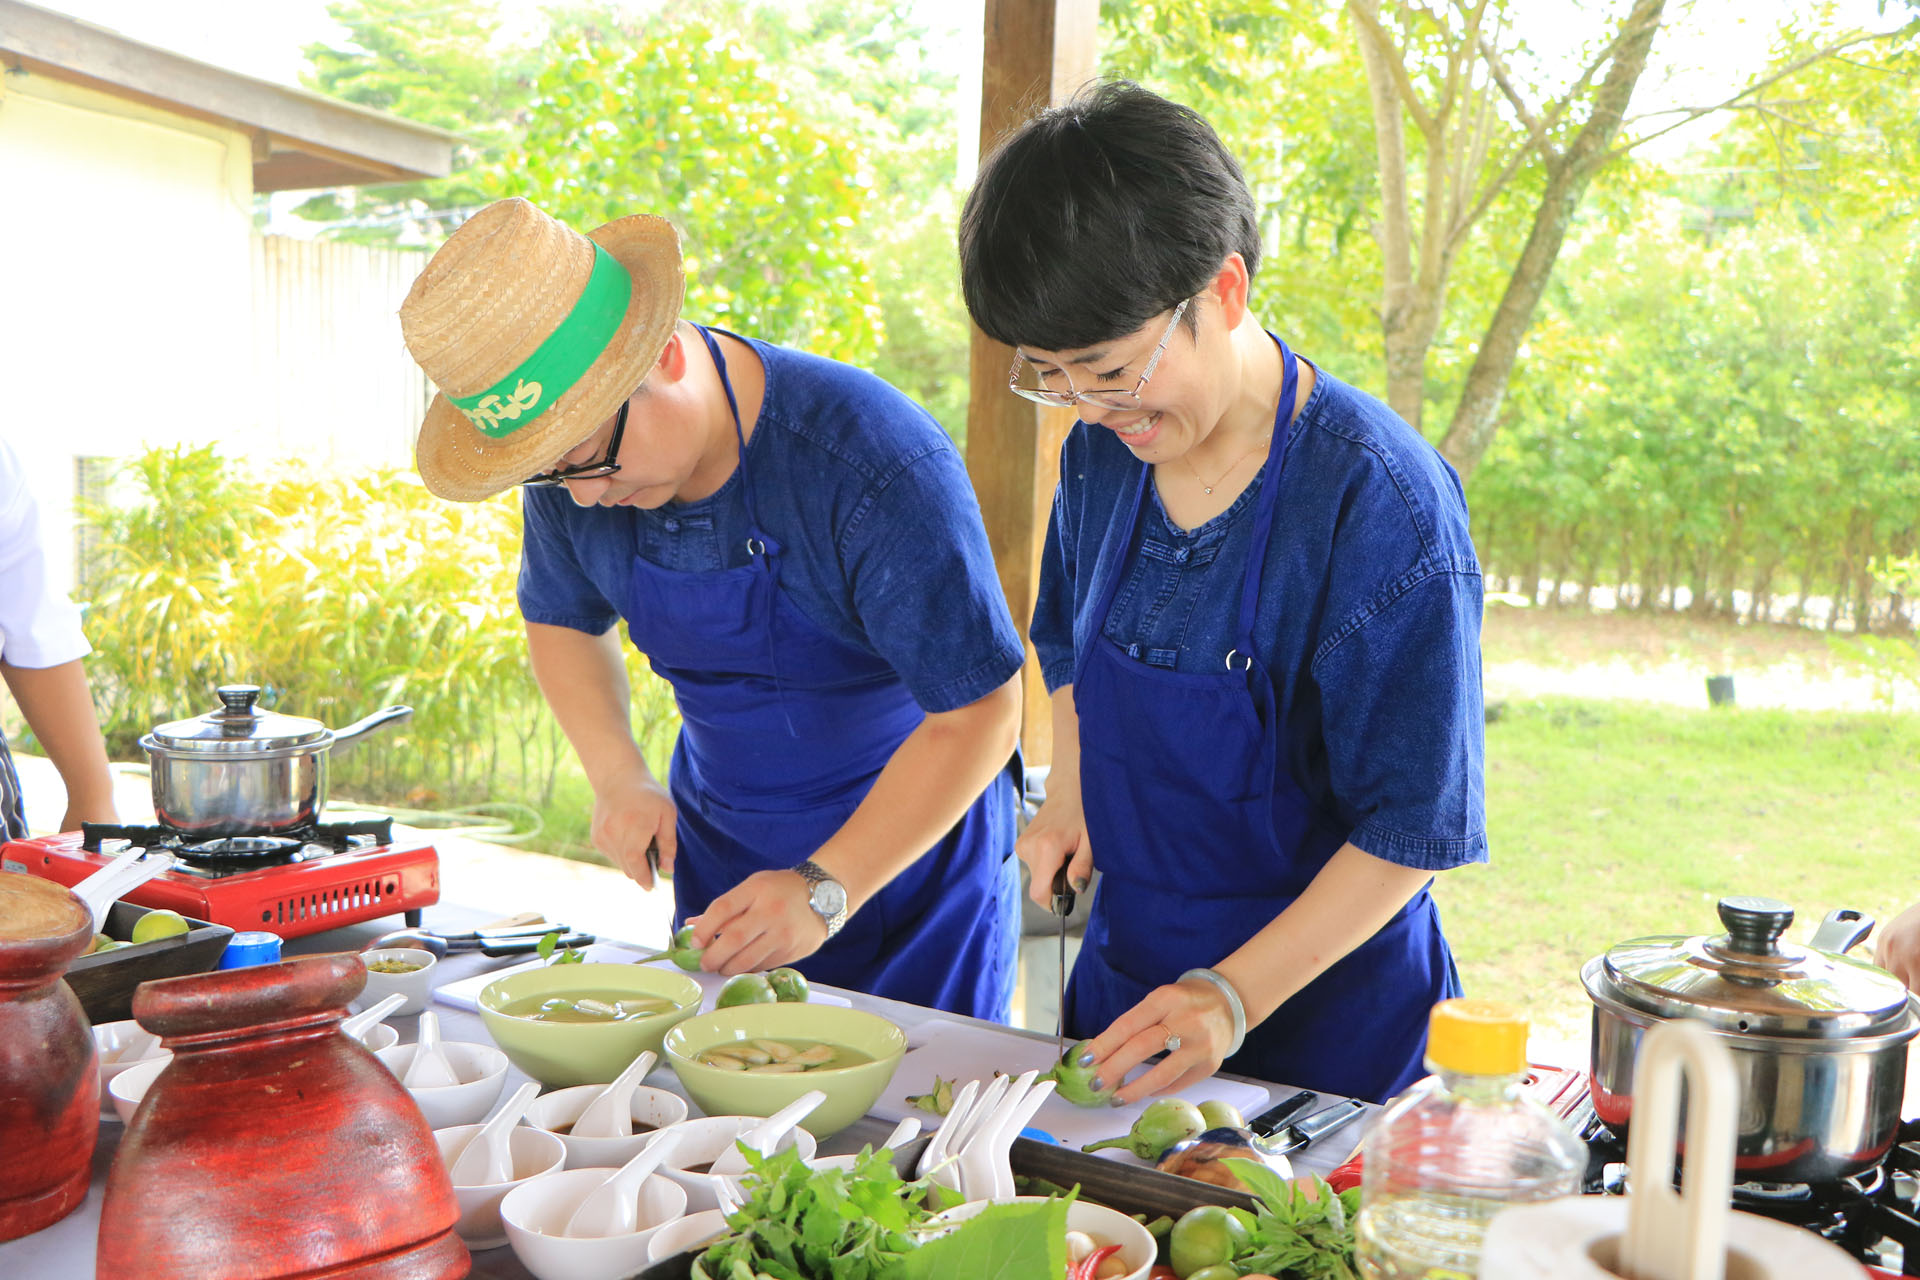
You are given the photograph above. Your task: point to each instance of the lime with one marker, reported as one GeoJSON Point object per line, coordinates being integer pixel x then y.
{"type": "Point", "coordinates": [1208, 1236]}
{"type": "Point", "coordinates": [748, 988]}
{"type": "Point", "coordinates": [155, 925]}
{"type": "Point", "coordinates": [789, 985]}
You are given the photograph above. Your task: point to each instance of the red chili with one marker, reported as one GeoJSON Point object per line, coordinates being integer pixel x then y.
{"type": "Point", "coordinates": [1085, 1268]}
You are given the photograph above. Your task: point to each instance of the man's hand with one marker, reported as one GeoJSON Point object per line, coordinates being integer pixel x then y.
{"type": "Point", "coordinates": [628, 817]}
{"type": "Point", "coordinates": [763, 921]}
{"type": "Point", "coordinates": [1057, 834]}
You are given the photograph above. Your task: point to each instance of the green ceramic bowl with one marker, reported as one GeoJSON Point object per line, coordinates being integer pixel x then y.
{"type": "Point", "coordinates": [568, 1053]}
{"type": "Point", "coordinates": [850, 1090]}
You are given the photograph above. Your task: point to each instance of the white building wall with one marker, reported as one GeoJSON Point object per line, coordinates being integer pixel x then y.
{"type": "Point", "coordinates": [124, 284]}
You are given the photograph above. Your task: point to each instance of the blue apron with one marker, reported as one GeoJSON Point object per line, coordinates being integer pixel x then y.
{"type": "Point", "coordinates": [784, 729]}
{"type": "Point", "coordinates": [13, 815]}
{"type": "Point", "coordinates": [1202, 837]}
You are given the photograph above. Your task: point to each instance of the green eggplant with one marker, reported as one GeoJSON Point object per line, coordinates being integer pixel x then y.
{"type": "Point", "coordinates": [682, 952]}
{"type": "Point", "coordinates": [1164, 1122]}
{"type": "Point", "coordinates": [790, 985]}
{"type": "Point", "coordinates": [1076, 1083]}
{"type": "Point", "coordinates": [1222, 1115]}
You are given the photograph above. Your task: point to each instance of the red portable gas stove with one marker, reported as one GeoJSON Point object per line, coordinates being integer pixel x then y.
{"type": "Point", "coordinates": [325, 876]}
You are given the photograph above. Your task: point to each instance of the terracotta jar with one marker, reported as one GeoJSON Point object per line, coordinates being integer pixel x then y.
{"type": "Point", "coordinates": [49, 1083]}
{"type": "Point", "coordinates": [273, 1146]}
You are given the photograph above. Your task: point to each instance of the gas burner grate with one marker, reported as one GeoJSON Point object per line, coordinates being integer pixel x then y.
{"type": "Point", "coordinates": [336, 837]}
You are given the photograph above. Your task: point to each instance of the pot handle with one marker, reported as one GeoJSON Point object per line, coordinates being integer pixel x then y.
{"type": "Point", "coordinates": [361, 728]}
{"type": "Point", "coordinates": [1841, 931]}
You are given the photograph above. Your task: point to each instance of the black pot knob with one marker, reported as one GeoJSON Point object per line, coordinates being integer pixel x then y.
{"type": "Point", "coordinates": [1754, 925]}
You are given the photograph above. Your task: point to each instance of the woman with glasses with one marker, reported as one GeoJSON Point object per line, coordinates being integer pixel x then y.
{"type": "Point", "coordinates": [796, 549]}
{"type": "Point", "coordinates": [1258, 617]}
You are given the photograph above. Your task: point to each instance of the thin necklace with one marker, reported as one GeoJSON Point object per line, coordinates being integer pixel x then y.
{"type": "Point", "coordinates": [1188, 459]}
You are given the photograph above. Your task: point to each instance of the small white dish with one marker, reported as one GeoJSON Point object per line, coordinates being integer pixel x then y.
{"type": "Point", "coordinates": [482, 1070]}
{"type": "Point", "coordinates": [653, 1108]}
{"type": "Point", "coordinates": [381, 1036]}
{"type": "Point", "coordinates": [121, 1045]}
{"type": "Point", "coordinates": [536, 1212]}
{"type": "Point", "coordinates": [127, 1088]}
{"type": "Point", "coordinates": [705, 1140]}
{"type": "Point", "coordinates": [695, 1231]}
{"type": "Point", "coordinates": [415, 985]}
{"type": "Point", "coordinates": [536, 1154]}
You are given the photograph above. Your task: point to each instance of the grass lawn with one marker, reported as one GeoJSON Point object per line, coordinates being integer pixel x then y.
{"type": "Point", "coordinates": [1612, 820]}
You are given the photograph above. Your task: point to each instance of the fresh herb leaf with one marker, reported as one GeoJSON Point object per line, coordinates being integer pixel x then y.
{"type": "Point", "coordinates": [1308, 1238]}
{"type": "Point", "coordinates": [1007, 1241]}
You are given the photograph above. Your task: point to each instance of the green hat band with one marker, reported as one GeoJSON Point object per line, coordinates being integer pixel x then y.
{"type": "Point", "coordinates": [569, 351]}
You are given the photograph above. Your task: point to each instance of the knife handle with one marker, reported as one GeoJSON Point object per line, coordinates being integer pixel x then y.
{"type": "Point", "coordinates": [1062, 891]}
{"type": "Point", "coordinates": [508, 948]}
{"type": "Point", "coordinates": [1267, 1121]}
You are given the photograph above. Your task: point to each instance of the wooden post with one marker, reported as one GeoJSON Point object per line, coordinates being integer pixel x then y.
{"type": "Point", "coordinates": [1037, 53]}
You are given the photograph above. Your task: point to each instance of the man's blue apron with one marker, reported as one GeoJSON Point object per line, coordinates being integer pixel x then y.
{"type": "Point", "coordinates": [1202, 837]}
{"type": "Point", "coordinates": [784, 729]}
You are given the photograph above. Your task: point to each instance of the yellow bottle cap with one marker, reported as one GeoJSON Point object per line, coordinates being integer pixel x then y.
{"type": "Point", "coordinates": [1477, 1038]}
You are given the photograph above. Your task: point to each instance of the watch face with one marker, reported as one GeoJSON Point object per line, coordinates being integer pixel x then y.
{"type": "Point", "coordinates": [829, 898]}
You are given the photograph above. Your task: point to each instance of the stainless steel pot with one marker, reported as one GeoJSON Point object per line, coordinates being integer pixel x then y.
{"type": "Point", "coordinates": [242, 771]}
{"type": "Point", "coordinates": [1819, 1039]}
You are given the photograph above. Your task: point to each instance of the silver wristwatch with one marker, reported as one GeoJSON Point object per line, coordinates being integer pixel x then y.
{"type": "Point", "coordinates": [827, 896]}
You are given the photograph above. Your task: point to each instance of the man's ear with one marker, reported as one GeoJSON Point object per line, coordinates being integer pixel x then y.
{"type": "Point", "coordinates": [1231, 287]}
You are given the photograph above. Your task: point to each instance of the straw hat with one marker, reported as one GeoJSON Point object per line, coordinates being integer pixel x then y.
{"type": "Point", "coordinates": [533, 339]}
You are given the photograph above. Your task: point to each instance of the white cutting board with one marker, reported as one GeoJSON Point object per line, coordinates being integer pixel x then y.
{"type": "Point", "coordinates": [961, 1053]}
{"type": "Point", "coordinates": [466, 992]}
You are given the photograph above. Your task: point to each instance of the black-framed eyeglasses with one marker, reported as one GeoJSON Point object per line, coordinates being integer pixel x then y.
{"type": "Point", "coordinates": [1122, 400]}
{"type": "Point", "coordinates": [605, 465]}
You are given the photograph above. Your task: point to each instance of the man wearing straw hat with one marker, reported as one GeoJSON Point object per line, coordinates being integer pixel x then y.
{"type": "Point", "coordinates": [795, 547]}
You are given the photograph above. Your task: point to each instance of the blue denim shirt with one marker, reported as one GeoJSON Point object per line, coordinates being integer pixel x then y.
{"type": "Point", "coordinates": [1368, 619]}
{"type": "Point", "coordinates": [883, 545]}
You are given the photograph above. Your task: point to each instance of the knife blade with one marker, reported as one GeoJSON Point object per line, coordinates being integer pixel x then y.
{"type": "Point", "coordinates": [1267, 1121]}
{"type": "Point", "coordinates": [1318, 1125]}
{"type": "Point", "coordinates": [1063, 907]}
{"type": "Point", "coordinates": [509, 947]}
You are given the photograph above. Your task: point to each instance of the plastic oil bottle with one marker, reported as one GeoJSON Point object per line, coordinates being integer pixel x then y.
{"type": "Point", "coordinates": [1457, 1148]}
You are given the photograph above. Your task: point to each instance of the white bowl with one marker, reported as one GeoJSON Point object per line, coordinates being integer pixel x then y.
{"type": "Point", "coordinates": [536, 1212]}
{"type": "Point", "coordinates": [482, 1070]}
{"type": "Point", "coordinates": [695, 1231]}
{"type": "Point", "coordinates": [1106, 1226]}
{"type": "Point", "coordinates": [654, 1108]}
{"type": "Point", "coordinates": [703, 1140]}
{"type": "Point", "coordinates": [110, 1038]}
{"type": "Point", "coordinates": [536, 1154]}
{"type": "Point", "coordinates": [416, 985]}
{"type": "Point", "coordinates": [129, 1086]}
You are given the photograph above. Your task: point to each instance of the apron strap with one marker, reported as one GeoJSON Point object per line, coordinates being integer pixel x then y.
{"type": "Point", "coordinates": [762, 551]}
{"type": "Point", "coordinates": [1264, 510]}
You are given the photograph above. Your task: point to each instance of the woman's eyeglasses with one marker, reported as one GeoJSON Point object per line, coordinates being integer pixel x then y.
{"type": "Point", "coordinates": [1122, 400]}
{"type": "Point", "coordinates": [605, 465]}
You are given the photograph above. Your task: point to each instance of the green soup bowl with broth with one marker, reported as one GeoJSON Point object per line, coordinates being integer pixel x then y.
{"type": "Point", "coordinates": [867, 1048]}
{"type": "Point", "coordinates": [560, 1047]}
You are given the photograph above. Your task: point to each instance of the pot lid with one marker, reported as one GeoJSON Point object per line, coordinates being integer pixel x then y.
{"type": "Point", "coordinates": [238, 727]}
{"type": "Point", "coordinates": [1748, 981]}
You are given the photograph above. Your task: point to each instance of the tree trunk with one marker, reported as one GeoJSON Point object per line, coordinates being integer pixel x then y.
{"type": "Point", "coordinates": [1476, 418]}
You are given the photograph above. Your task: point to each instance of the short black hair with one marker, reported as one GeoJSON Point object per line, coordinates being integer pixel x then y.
{"type": "Point", "coordinates": [1094, 217]}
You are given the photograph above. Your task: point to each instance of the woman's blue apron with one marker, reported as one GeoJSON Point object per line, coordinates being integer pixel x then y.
{"type": "Point", "coordinates": [784, 729]}
{"type": "Point", "coordinates": [1202, 837]}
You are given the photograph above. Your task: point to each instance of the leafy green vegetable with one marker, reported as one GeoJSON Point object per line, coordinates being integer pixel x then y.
{"type": "Point", "coordinates": [568, 955]}
{"type": "Point", "coordinates": [799, 1223]}
{"type": "Point", "coordinates": [1293, 1235]}
{"type": "Point", "coordinates": [1012, 1241]}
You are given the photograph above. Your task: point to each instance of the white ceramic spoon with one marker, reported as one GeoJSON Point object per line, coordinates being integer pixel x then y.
{"type": "Point", "coordinates": [127, 872]}
{"type": "Point", "coordinates": [610, 1113]}
{"type": "Point", "coordinates": [363, 1022]}
{"type": "Point", "coordinates": [487, 1159]}
{"type": "Point", "coordinates": [613, 1207]}
{"type": "Point", "coordinates": [766, 1135]}
{"type": "Point", "coordinates": [906, 1131]}
{"type": "Point", "coordinates": [936, 1162]}
{"type": "Point", "coordinates": [429, 1068]}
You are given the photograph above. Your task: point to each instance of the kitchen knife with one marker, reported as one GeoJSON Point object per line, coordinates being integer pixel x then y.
{"type": "Point", "coordinates": [1062, 907]}
{"type": "Point", "coordinates": [510, 948]}
{"type": "Point", "coordinates": [1267, 1121]}
{"type": "Point", "coordinates": [1318, 1125]}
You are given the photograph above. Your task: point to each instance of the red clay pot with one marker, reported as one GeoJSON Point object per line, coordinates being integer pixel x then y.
{"type": "Point", "coordinates": [49, 1083]}
{"type": "Point", "coordinates": [273, 1147]}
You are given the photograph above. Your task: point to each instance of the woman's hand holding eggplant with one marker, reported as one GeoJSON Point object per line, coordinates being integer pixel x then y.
{"type": "Point", "coordinates": [1195, 1011]}
{"type": "Point", "coordinates": [1057, 834]}
{"type": "Point", "coordinates": [629, 815]}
